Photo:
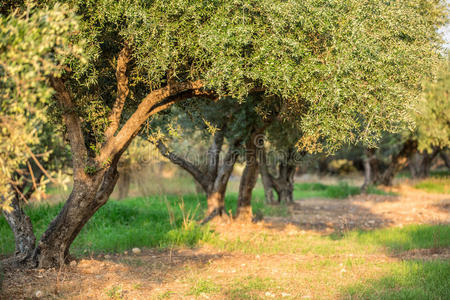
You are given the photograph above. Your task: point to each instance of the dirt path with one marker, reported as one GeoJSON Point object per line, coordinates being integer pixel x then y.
{"type": "Point", "coordinates": [253, 273]}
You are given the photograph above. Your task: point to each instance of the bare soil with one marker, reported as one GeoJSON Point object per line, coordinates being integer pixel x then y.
{"type": "Point", "coordinates": [177, 273]}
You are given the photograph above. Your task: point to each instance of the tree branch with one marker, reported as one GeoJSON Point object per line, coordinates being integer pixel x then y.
{"type": "Point", "coordinates": [154, 102]}
{"type": "Point", "coordinates": [198, 175]}
{"type": "Point", "coordinates": [122, 91]}
{"type": "Point", "coordinates": [73, 125]}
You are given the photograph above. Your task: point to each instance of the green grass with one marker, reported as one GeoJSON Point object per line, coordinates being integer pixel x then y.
{"type": "Point", "coordinates": [403, 239]}
{"type": "Point", "coordinates": [248, 288]}
{"type": "Point", "coordinates": [203, 286]}
{"type": "Point", "coordinates": [156, 221]}
{"type": "Point", "coordinates": [440, 185]}
{"type": "Point", "coordinates": [392, 240]}
{"type": "Point", "coordinates": [406, 280]}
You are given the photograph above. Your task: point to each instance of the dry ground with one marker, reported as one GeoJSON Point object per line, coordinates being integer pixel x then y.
{"type": "Point", "coordinates": [207, 272]}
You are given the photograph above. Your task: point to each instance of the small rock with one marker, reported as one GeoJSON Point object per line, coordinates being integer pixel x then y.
{"type": "Point", "coordinates": [258, 257]}
{"type": "Point", "coordinates": [125, 252]}
{"type": "Point", "coordinates": [39, 294]}
{"type": "Point", "coordinates": [269, 294]}
{"type": "Point", "coordinates": [285, 294]}
{"type": "Point", "coordinates": [107, 256]}
{"type": "Point", "coordinates": [136, 250]}
{"type": "Point", "coordinates": [73, 263]}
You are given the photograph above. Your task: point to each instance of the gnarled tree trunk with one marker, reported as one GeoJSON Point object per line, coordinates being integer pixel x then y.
{"type": "Point", "coordinates": [367, 163]}
{"type": "Point", "coordinates": [214, 179]}
{"type": "Point", "coordinates": [248, 180]}
{"type": "Point", "coordinates": [18, 221]}
{"type": "Point", "coordinates": [398, 162]}
{"type": "Point", "coordinates": [445, 158]}
{"type": "Point", "coordinates": [424, 162]}
{"type": "Point", "coordinates": [216, 192]}
{"type": "Point", "coordinates": [88, 195]}
{"type": "Point", "coordinates": [22, 228]}
{"type": "Point", "coordinates": [283, 183]}
{"type": "Point", "coordinates": [95, 174]}
{"type": "Point", "coordinates": [266, 178]}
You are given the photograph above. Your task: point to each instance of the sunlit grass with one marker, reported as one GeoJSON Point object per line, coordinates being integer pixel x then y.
{"type": "Point", "coordinates": [439, 185]}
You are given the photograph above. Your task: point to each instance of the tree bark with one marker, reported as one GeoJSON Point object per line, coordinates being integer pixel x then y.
{"type": "Point", "coordinates": [248, 180]}
{"type": "Point", "coordinates": [18, 221]}
{"type": "Point", "coordinates": [87, 197]}
{"type": "Point", "coordinates": [214, 179]}
{"type": "Point", "coordinates": [425, 163]}
{"type": "Point", "coordinates": [216, 195]}
{"type": "Point", "coordinates": [22, 228]}
{"type": "Point", "coordinates": [284, 183]}
{"type": "Point", "coordinates": [398, 162]}
{"type": "Point", "coordinates": [266, 178]}
{"type": "Point", "coordinates": [367, 163]}
{"type": "Point", "coordinates": [445, 158]}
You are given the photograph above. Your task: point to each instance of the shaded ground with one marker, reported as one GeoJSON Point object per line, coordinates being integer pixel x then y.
{"type": "Point", "coordinates": [410, 206]}
{"type": "Point", "coordinates": [288, 258]}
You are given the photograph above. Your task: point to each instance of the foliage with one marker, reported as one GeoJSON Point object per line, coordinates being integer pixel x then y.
{"type": "Point", "coordinates": [346, 70]}
{"type": "Point", "coordinates": [33, 46]}
{"type": "Point", "coordinates": [433, 116]}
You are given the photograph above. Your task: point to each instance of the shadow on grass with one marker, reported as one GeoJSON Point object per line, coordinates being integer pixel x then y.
{"type": "Point", "coordinates": [406, 280]}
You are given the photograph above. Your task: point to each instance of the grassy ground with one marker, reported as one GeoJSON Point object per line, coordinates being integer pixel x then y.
{"type": "Point", "coordinates": [440, 185]}
{"type": "Point", "coordinates": [156, 221]}
{"type": "Point", "coordinates": [406, 262]}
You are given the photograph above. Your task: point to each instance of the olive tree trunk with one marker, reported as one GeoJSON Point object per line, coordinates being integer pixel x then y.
{"type": "Point", "coordinates": [283, 183]}
{"type": "Point", "coordinates": [369, 175]}
{"type": "Point", "coordinates": [214, 177]}
{"type": "Point", "coordinates": [248, 179]}
{"type": "Point", "coordinates": [398, 162]}
{"type": "Point", "coordinates": [88, 195]}
{"type": "Point", "coordinates": [22, 229]}
{"type": "Point", "coordinates": [445, 158]}
{"type": "Point", "coordinates": [422, 165]}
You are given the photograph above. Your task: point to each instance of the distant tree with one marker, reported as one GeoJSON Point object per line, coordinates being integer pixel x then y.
{"type": "Point", "coordinates": [211, 170]}
{"type": "Point", "coordinates": [433, 121]}
{"type": "Point", "coordinates": [417, 148]}
{"type": "Point", "coordinates": [279, 165]}
{"type": "Point", "coordinates": [351, 66]}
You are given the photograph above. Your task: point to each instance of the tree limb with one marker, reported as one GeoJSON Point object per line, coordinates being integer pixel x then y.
{"type": "Point", "coordinates": [73, 125]}
{"type": "Point", "coordinates": [154, 102]}
{"type": "Point", "coordinates": [198, 175]}
{"type": "Point", "coordinates": [122, 91]}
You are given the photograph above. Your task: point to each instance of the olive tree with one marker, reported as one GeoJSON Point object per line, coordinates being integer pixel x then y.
{"type": "Point", "coordinates": [345, 69]}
